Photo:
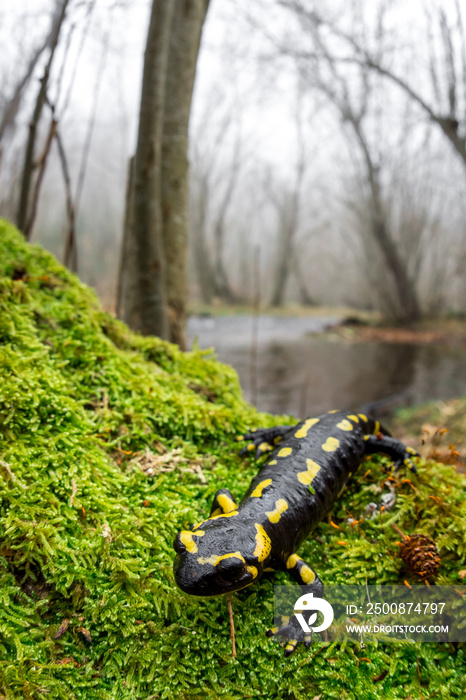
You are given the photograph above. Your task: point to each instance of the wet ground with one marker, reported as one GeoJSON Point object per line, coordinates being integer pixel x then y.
{"type": "Point", "coordinates": [286, 371]}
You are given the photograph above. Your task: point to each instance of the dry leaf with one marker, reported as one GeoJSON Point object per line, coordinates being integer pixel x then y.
{"type": "Point", "coordinates": [62, 629]}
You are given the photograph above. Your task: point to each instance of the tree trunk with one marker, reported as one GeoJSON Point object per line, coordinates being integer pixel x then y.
{"type": "Point", "coordinates": [283, 271]}
{"type": "Point", "coordinates": [144, 295]}
{"type": "Point", "coordinates": [28, 167]}
{"type": "Point", "coordinates": [409, 307]}
{"type": "Point", "coordinates": [305, 297]}
{"type": "Point", "coordinates": [188, 20]}
{"type": "Point", "coordinates": [204, 271]}
{"type": "Point", "coordinates": [289, 220]}
{"type": "Point", "coordinates": [125, 247]}
{"type": "Point", "coordinates": [197, 234]}
{"type": "Point", "coordinates": [221, 282]}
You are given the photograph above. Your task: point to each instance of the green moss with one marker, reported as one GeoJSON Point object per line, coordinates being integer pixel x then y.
{"type": "Point", "coordinates": [109, 444]}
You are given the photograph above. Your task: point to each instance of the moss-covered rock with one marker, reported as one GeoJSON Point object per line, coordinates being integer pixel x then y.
{"type": "Point", "coordinates": [109, 444]}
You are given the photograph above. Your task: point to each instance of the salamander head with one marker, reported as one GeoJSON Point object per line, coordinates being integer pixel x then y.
{"type": "Point", "coordinates": [214, 559]}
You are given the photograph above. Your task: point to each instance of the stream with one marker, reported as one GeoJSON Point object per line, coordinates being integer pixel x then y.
{"type": "Point", "coordinates": [291, 371]}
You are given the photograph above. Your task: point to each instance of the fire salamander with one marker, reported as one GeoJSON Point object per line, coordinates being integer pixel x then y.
{"type": "Point", "coordinates": [308, 467]}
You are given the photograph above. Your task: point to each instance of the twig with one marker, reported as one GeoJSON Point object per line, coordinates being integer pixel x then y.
{"type": "Point", "coordinates": [232, 626]}
{"type": "Point", "coordinates": [397, 529]}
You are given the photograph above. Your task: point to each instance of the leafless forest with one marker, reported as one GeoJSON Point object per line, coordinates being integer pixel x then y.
{"type": "Point", "coordinates": [327, 147]}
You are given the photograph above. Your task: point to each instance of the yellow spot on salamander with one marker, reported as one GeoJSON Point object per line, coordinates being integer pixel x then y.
{"type": "Point", "coordinates": [226, 503]}
{"type": "Point", "coordinates": [292, 560]}
{"type": "Point", "coordinates": [307, 574]}
{"type": "Point", "coordinates": [263, 543]}
{"type": "Point", "coordinates": [312, 469]}
{"type": "Point", "coordinates": [284, 452]}
{"type": "Point", "coordinates": [273, 461]}
{"type": "Point", "coordinates": [331, 444]}
{"type": "Point", "coordinates": [251, 447]}
{"type": "Point", "coordinates": [302, 432]}
{"type": "Point", "coordinates": [186, 537]}
{"type": "Point", "coordinates": [215, 558]}
{"type": "Point", "coordinates": [376, 427]}
{"type": "Point", "coordinates": [354, 418]}
{"type": "Point", "coordinates": [257, 493]}
{"type": "Point", "coordinates": [252, 570]}
{"type": "Point", "coordinates": [363, 417]}
{"type": "Point", "coordinates": [280, 506]}
{"type": "Point", "coordinates": [345, 425]}
{"type": "Point", "coordinates": [265, 447]}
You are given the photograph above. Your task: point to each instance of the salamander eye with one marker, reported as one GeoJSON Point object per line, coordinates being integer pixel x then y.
{"type": "Point", "coordinates": [178, 545]}
{"type": "Point", "coordinates": [231, 568]}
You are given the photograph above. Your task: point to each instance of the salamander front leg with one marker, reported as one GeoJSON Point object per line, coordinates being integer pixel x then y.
{"type": "Point", "coordinates": [223, 503]}
{"type": "Point", "coordinates": [398, 451]}
{"type": "Point", "coordinates": [290, 630]}
{"type": "Point", "coordinates": [263, 439]}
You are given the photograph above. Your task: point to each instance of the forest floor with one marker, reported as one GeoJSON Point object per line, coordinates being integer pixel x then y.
{"type": "Point", "coordinates": [442, 427]}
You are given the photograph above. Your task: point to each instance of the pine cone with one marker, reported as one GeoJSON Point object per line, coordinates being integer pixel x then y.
{"type": "Point", "coordinates": [420, 554]}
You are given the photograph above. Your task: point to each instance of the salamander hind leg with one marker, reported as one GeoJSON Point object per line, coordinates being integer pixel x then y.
{"type": "Point", "coordinates": [291, 630]}
{"type": "Point", "coordinates": [223, 503]}
{"type": "Point", "coordinates": [263, 440]}
{"type": "Point", "coordinates": [398, 451]}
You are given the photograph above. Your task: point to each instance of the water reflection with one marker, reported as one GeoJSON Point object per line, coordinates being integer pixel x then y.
{"type": "Point", "coordinates": [310, 374]}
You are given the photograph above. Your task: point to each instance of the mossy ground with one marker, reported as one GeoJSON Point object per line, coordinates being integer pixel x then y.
{"type": "Point", "coordinates": [426, 420]}
{"type": "Point", "coordinates": [110, 443]}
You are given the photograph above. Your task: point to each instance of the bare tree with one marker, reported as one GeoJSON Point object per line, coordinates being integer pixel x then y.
{"type": "Point", "coordinates": [287, 201]}
{"type": "Point", "coordinates": [29, 162]}
{"type": "Point", "coordinates": [445, 65]}
{"type": "Point", "coordinates": [155, 290]}
{"type": "Point", "coordinates": [220, 157]}
{"type": "Point", "coordinates": [352, 94]}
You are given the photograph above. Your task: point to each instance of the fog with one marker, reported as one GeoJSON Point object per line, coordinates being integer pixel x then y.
{"type": "Point", "coordinates": [272, 148]}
